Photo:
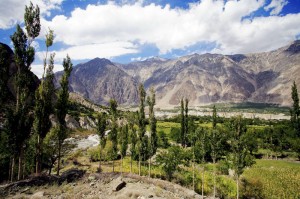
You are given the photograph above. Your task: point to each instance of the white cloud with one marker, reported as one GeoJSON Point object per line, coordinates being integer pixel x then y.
{"type": "Point", "coordinates": [276, 6]}
{"type": "Point", "coordinates": [224, 23]}
{"type": "Point", "coordinates": [38, 69]}
{"type": "Point", "coordinates": [90, 51]}
{"type": "Point", "coordinates": [12, 11]}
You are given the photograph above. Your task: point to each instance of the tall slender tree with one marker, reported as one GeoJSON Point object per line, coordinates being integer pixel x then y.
{"type": "Point", "coordinates": [295, 120]}
{"type": "Point", "coordinates": [24, 56]}
{"type": "Point", "coordinates": [43, 102]}
{"type": "Point", "coordinates": [152, 120]}
{"type": "Point", "coordinates": [124, 143]}
{"type": "Point", "coordinates": [101, 126]}
{"type": "Point", "coordinates": [182, 123]}
{"type": "Point", "coordinates": [240, 156]}
{"type": "Point", "coordinates": [142, 145]}
{"type": "Point", "coordinates": [62, 106]}
{"type": "Point", "coordinates": [113, 133]}
{"type": "Point", "coordinates": [186, 121]}
{"type": "Point", "coordinates": [295, 111]}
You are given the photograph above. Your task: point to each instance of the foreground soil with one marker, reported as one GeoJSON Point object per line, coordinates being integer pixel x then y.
{"type": "Point", "coordinates": [104, 185]}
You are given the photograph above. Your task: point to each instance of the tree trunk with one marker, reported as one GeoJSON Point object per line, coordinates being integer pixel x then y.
{"type": "Point", "coordinates": [58, 158]}
{"type": "Point", "coordinates": [237, 187]}
{"type": "Point", "coordinates": [194, 175]}
{"type": "Point", "coordinates": [12, 169]}
{"type": "Point", "coordinates": [150, 167]}
{"type": "Point", "coordinates": [38, 156]}
{"type": "Point", "coordinates": [9, 169]}
{"type": "Point", "coordinates": [202, 188]}
{"type": "Point", "coordinates": [121, 165]}
{"type": "Point", "coordinates": [20, 164]}
{"type": "Point", "coordinates": [130, 164]}
{"type": "Point", "coordinates": [214, 163]}
{"type": "Point", "coordinates": [140, 165]}
{"type": "Point", "coordinates": [99, 169]}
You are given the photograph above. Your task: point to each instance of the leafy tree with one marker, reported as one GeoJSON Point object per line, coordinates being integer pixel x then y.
{"type": "Point", "coordinates": [163, 140]}
{"type": "Point", "coordinates": [152, 119]}
{"type": "Point", "coordinates": [100, 127]}
{"type": "Point", "coordinates": [62, 106]}
{"type": "Point", "coordinates": [295, 120]}
{"type": "Point", "coordinates": [4, 69]}
{"type": "Point", "coordinates": [170, 160]}
{"type": "Point", "coordinates": [124, 143]}
{"type": "Point", "coordinates": [24, 56]}
{"type": "Point", "coordinates": [295, 111]}
{"type": "Point", "coordinates": [186, 121]}
{"type": "Point", "coordinates": [199, 150]}
{"type": "Point", "coordinates": [175, 134]}
{"type": "Point", "coordinates": [133, 142]}
{"type": "Point", "coordinates": [113, 133]}
{"type": "Point", "coordinates": [43, 102]}
{"type": "Point", "coordinates": [142, 143]}
{"type": "Point", "coordinates": [182, 123]}
{"type": "Point", "coordinates": [240, 156]}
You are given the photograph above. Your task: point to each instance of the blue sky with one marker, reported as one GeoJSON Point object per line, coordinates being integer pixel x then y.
{"type": "Point", "coordinates": [128, 30]}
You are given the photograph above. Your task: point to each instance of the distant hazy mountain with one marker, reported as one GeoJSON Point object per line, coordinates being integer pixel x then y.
{"type": "Point", "coordinates": [209, 78]}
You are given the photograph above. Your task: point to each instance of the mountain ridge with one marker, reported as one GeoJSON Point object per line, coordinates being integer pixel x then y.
{"type": "Point", "coordinates": [203, 78]}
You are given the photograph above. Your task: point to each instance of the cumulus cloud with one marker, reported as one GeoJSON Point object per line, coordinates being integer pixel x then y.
{"type": "Point", "coordinates": [276, 6]}
{"type": "Point", "coordinates": [90, 51]}
{"type": "Point", "coordinates": [12, 11]}
{"type": "Point", "coordinates": [229, 24]}
{"type": "Point", "coordinates": [38, 69]}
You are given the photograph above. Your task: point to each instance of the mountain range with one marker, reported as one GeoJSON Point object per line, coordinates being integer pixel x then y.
{"type": "Point", "coordinates": [204, 79]}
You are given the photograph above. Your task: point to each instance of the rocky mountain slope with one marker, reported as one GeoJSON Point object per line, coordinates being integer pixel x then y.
{"type": "Point", "coordinates": [208, 78]}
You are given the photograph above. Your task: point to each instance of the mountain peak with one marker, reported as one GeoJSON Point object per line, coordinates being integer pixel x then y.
{"type": "Point", "coordinates": [294, 47]}
{"type": "Point", "coordinates": [102, 61]}
{"type": "Point", "coordinates": [155, 59]}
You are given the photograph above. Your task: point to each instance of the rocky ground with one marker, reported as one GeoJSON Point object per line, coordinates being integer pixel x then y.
{"type": "Point", "coordinates": [100, 185]}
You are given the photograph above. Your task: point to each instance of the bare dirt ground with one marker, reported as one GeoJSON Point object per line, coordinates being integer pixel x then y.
{"type": "Point", "coordinates": [105, 186]}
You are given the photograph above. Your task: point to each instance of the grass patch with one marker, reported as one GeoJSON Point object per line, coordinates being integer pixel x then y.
{"type": "Point", "coordinates": [278, 179]}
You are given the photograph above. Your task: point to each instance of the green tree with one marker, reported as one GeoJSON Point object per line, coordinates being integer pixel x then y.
{"type": "Point", "coordinates": [295, 111]}
{"type": "Point", "coordinates": [170, 160]}
{"type": "Point", "coordinates": [240, 156]}
{"type": "Point", "coordinates": [62, 106]}
{"type": "Point", "coordinates": [100, 127]}
{"type": "Point", "coordinates": [133, 142]}
{"type": "Point", "coordinates": [186, 121]}
{"type": "Point", "coordinates": [124, 143]}
{"type": "Point", "coordinates": [142, 143]}
{"type": "Point", "coordinates": [163, 140]}
{"type": "Point", "coordinates": [24, 56]}
{"type": "Point", "coordinates": [152, 119]}
{"type": "Point", "coordinates": [182, 123]}
{"type": "Point", "coordinates": [43, 103]}
{"type": "Point", "coordinates": [113, 133]}
{"type": "Point", "coordinates": [200, 149]}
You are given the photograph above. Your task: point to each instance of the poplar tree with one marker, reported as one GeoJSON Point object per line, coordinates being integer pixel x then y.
{"type": "Point", "coordinates": [124, 143]}
{"type": "Point", "coordinates": [142, 144]}
{"type": "Point", "coordinates": [295, 111]}
{"type": "Point", "coordinates": [240, 156]}
{"type": "Point", "coordinates": [182, 123]}
{"type": "Point", "coordinates": [62, 106]}
{"type": "Point", "coordinates": [43, 102]}
{"type": "Point", "coordinates": [113, 133]}
{"type": "Point", "coordinates": [295, 120]}
{"type": "Point", "coordinates": [152, 120]}
{"type": "Point", "coordinates": [20, 119]}
{"type": "Point", "coordinates": [100, 127]}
